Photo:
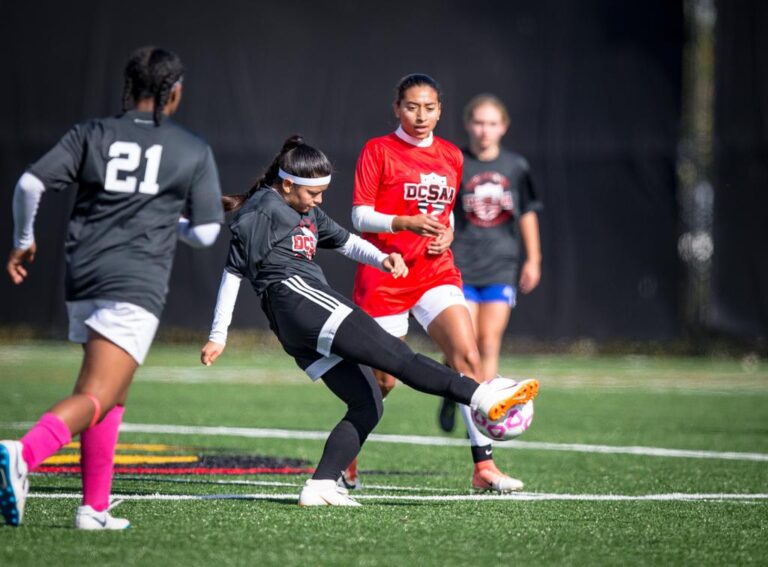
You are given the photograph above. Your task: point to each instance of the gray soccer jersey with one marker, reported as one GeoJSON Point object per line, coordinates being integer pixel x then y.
{"type": "Point", "coordinates": [493, 197]}
{"type": "Point", "coordinates": [271, 241]}
{"type": "Point", "coordinates": [135, 179]}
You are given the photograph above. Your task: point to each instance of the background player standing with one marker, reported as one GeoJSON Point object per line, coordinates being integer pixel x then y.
{"type": "Point", "coordinates": [497, 209]}
{"type": "Point", "coordinates": [137, 173]}
{"type": "Point", "coordinates": [275, 235]}
{"type": "Point", "coordinates": [406, 185]}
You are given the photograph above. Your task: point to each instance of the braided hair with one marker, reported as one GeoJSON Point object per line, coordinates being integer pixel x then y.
{"type": "Point", "coordinates": [297, 158]}
{"type": "Point", "coordinates": [151, 72]}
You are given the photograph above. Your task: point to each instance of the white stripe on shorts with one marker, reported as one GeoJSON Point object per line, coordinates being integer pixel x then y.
{"type": "Point", "coordinates": [319, 293]}
{"type": "Point", "coordinates": [324, 300]}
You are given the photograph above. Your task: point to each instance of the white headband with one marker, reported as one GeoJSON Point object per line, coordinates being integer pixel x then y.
{"type": "Point", "coordinates": [309, 181]}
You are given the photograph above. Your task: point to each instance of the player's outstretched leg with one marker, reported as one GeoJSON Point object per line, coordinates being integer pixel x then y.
{"type": "Point", "coordinates": [360, 339]}
{"type": "Point", "coordinates": [14, 482]}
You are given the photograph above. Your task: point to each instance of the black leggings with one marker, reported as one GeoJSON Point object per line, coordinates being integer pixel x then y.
{"type": "Point", "coordinates": [360, 339]}
{"type": "Point", "coordinates": [356, 387]}
{"type": "Point", "coordinates": [362, 343]}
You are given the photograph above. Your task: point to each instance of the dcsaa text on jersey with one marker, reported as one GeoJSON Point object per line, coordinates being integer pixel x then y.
{"type": "Point", "coordinates": [432, 193]}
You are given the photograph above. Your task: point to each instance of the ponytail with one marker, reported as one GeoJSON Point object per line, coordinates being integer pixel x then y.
{"type": "Point", "coordinates": [295, 157]}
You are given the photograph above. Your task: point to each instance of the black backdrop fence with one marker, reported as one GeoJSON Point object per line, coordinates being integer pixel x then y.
{"type": "Point", "coordinates": [739, 304]}
{"type": "Point", "coordinates": [593, 89]}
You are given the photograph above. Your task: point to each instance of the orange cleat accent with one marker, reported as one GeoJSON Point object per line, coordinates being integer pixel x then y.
{"type": "Point", "coordinates": [524, 392]}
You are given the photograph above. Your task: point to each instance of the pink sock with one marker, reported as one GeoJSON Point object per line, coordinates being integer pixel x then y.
{"type": "Point", "coordinates": [97, 457]}
{"type": "Point", "coordinates": [47, 436]}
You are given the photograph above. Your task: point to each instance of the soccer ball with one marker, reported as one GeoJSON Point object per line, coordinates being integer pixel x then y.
{"type": "Point", "coordinates": [512, 424]}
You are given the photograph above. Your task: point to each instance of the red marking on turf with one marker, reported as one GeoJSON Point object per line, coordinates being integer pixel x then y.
{"type": "Point", "coordinates": [186, 470]}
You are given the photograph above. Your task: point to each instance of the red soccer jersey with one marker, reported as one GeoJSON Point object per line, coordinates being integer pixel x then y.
{"type": "Point", "coordinates": [396, 177]}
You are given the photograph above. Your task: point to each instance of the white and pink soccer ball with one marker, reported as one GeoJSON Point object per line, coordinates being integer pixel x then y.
{"type": "Point", "coordinates": [513, 423]}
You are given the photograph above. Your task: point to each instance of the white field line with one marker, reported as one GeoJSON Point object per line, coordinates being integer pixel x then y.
{"type": "Point", "coordinates": [440, 441]}
{"type": "Point", "coordinates": [520, 497]}
{"type": "Point", "coordinates": [271, 483]}
{"type": "Point", "coordinates": [258, 433]}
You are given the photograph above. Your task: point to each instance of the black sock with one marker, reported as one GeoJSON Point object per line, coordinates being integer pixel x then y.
{"type": "Point", "coordinates": [483, 453]}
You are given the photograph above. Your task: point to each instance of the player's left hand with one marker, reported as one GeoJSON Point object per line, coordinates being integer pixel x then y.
{"type": "Point", "coordinates": [395, 265]}
{"type": "Point", "coordinates": [530, 276]}
{"type": "Point", "coordinates": [16, 260]}
{"type": "Point", "coordinates": [441, 243]}
{"type": "Point", "coordinates": [210, 352]}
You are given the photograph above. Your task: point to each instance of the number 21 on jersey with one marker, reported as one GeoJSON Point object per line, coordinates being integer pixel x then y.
{"type": "Point", "coordinates": [126, 158]}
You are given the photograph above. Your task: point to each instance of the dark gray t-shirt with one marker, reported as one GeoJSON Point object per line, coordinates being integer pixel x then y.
{"type": "Point", "coordinates": [135, 180]}
{"type": "Point", "coordinates": [271, 241]}
{"type": "Point", "coordinates": [493, 196]}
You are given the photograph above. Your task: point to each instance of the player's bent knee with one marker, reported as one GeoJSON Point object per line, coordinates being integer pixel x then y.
{"type": "Point", "coordinates": [365, 419]}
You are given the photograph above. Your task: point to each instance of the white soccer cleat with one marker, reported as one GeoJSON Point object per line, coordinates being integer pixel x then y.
{"type": "Point", "coordinates": [496, 397]}
{"type": "Point", "coordinates": [325, 493]}
{"type": "Point", "coordinates": [87, 518]}
{"type": "Point", "coordinates": [14, 482]}
{"type": "Point", "coordinates": [491, 479]}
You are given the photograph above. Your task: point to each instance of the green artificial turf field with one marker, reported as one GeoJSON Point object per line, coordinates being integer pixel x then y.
{"type": "Point", "coordinates": [630, 460]}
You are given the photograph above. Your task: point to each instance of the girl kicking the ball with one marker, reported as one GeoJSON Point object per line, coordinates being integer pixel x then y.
{"type": "Point", "coordinates": [275, 234]}
{"type": "Point", "coordinates": [136, 173]}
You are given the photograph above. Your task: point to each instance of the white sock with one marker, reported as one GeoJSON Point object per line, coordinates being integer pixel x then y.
{"type": "Point", "coordinates": [476, 439]}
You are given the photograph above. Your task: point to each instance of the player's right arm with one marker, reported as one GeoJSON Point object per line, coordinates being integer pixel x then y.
{"type": "Point", "coordinates": [222, 317]}
{"type": "Point", "coordinates": [57, 169]}
{"type": "Point", "coordinates": [365, 217]}
{"type": "Point", "coordinates": [249, 245]}
{"type": "Point", "coordinates": [26, 199]}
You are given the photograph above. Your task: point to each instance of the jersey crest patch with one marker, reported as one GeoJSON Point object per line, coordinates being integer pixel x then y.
{"type": "Point", "coordinates": [487, 200]}
{"type": "Point", "coordinates": [432, 193]}
{"type": "Point", "coordinates": [304, 241]}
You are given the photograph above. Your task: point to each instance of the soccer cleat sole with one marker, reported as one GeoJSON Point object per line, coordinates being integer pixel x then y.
{"type": "Point", "coordinates": [524, 393]}
{"type": "Point", "coordinates": [8, 507]}
{"type": "Point", "coordinates": [491, 490]}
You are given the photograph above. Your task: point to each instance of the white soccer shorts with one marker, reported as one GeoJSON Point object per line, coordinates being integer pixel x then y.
{"type": "Point", "coordinates": [129, 326]}
{"type": "Point", "coordinates": [426, 310]}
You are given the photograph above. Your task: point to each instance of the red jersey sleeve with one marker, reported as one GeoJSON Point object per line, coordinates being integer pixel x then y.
{"type": "Point", "coordinates": [368, 175]}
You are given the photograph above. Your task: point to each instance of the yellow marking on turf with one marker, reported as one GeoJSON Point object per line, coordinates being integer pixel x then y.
{"type": "Point", "coordinates": [125, 459]}
{"type": "Point", "coordinates": [156, 448]}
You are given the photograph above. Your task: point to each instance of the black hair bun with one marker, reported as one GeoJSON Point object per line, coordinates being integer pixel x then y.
{"type": "Point", "coordinates": [293, 142]}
